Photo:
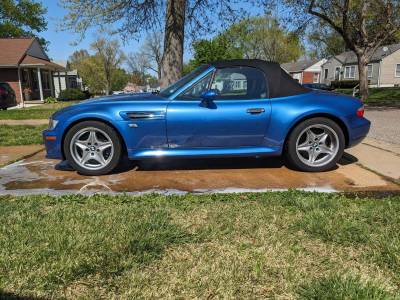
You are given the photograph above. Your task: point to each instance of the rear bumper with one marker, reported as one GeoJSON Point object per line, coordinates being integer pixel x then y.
{"type": "Point", "coordinates": [358, 128]}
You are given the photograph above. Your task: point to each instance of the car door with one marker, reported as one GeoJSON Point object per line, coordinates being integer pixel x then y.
{"type": "Point", "coordinates": [238, 116]}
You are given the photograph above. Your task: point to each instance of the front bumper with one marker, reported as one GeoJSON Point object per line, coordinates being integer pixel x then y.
{"type": "Point", "coordinates": [53, 140]}
{"type": "Point", "coordinates": [358, 128]}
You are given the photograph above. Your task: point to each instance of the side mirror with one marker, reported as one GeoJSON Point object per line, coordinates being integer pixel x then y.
{"type": "Point", "coordinates": [208, 96]}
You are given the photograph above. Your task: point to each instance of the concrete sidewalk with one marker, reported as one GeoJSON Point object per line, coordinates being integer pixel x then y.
{"type": "Point", "coordinates": [378, 156]}
{"type": "Point", "coordinates": [10, 153]}
{"type": "Point", "coordinates": [24, 122]}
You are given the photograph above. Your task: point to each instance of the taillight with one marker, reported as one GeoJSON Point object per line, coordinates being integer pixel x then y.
{"type": "Point", "coordinates": [360, 111]}
{"type": "Point", "coordinates": [3, 92]}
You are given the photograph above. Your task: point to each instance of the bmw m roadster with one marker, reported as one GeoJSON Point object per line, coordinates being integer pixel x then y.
{"type": "Point", "coordinates": [225, 108]}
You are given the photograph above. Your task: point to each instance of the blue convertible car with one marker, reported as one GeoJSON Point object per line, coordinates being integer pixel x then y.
{"type": "Point", "coordinates": [225, 108]}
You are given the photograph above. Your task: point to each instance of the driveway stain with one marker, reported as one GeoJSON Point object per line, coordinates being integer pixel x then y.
{"type": "Point", "coordinates": [172, 176]}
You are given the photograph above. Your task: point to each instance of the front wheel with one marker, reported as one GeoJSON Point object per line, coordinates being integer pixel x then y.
{"type": "Point", "coordinates": [315, 145]}
{"type": "Point", "coordinates": [92, 148]}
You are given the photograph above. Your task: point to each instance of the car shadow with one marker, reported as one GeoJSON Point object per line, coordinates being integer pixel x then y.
{"type": "Point", "coordinates": [232, 163]}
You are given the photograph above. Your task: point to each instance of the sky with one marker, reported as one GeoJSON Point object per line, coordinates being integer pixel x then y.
{"type": "Point", "coordinates": [60, 42]}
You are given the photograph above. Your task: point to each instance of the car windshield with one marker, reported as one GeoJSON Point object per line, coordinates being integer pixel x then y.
{"type": "Point", "coordinates": [181, 82]}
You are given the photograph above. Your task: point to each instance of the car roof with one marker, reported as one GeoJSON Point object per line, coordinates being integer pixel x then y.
{"type": "Point", "coordinates": [280, 83]}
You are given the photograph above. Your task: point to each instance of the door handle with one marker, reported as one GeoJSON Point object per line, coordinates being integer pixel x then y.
{"type": "Point", "coordinates": [255, 110]}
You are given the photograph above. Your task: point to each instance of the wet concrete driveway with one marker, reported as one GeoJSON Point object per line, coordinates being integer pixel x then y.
{"type": "Point", "coordinates": [38, 175]}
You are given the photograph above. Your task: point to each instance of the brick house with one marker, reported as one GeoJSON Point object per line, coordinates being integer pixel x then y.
{"type": "Point", "coordinates": [306, 71]}
{"type": "Point", "coordinates": [24, 64]}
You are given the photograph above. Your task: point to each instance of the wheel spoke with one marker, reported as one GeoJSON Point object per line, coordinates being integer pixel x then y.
{"type": "Point", "coordinates": [99, 158]}
{"type": "Point", "coordinates": [325, 149]}
{"type": "Point", "coordinates": [312, 156]}
{"type": "Point", "coordinates": [85, 157]}
{"type": "Point", "coordinates": [81, 145]}
{"type": "Point", "coordinates": [310, 135]}
{"type": "Point", "coordinates": [304, 147]}
{"type": "Point", "coordinates": [323, 138]}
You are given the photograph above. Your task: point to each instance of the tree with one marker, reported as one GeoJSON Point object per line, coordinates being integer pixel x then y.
{"type": "Point", "coordinates": [324, 42]}
{"type": "Point", "coordinates": [23, 18]}
{"type": "Point", "coordinates": [263, 38]}
{"type": "Point", "coordinates": [206, 51]}
{"type": "Point", "coordinates": [108, 56]}
{"type": "Point", "coordinates": [131, 88]}
{"type": "Point", "coordinates": [138, 63]}
{"type": "Point", "coordinates": [153, 48]}
{"type": "Point", "coordinates": [118, 80]}
{"type": "Point", "coordinates": [177, 18]}
{"type": "Point", "coordinates": [364, 25]}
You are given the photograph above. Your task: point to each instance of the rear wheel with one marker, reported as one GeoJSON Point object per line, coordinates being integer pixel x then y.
{"type": "Point", "coordinates": [92, 148]}
{"type": "Point", "coordinates": [315, 145]}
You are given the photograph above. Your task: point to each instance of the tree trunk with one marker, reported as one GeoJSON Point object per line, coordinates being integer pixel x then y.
{"type": "Point", "coordinates": [107, 88]}
{"type": "Point", "coordinates": [362, 71]}
{"type": "Point", "coordinates": [159, 68]}
{"type": "Point", "coordinates": [173, 42]}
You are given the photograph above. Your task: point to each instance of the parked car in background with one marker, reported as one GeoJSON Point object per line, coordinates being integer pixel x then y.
{"type": "Point", "coordinates": [222, 109]}
{"type": "Point", "coordinates": [318, 86]}
{"type": "Point", "coordinates": [7, 96]}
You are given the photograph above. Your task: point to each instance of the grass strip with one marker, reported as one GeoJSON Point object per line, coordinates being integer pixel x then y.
{"type": "Point", "coordinates": [291, 244]}
{"type": "Point", "coordinates": [39, 112]}
{"type": "Point", "coordinates": [17, 135]}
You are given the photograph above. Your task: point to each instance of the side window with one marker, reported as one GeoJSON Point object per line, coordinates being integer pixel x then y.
{"type": "Point", "coordinates": [242, 83]}
{"type": "Point", "coordinates": [195, 90]}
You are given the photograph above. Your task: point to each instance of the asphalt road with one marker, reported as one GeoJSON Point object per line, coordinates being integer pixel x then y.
{"type": "Point", "coordinates": [385, 124]}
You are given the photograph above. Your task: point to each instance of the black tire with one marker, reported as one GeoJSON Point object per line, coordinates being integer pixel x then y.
{"type": "Point", "coordinates": [102, 127]}
{"type": "Point", "coordinates": [4, 108]}
{"type": "Point", "coordinates": [293, 154]}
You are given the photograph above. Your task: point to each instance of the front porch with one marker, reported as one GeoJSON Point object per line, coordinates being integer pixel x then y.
{"type": "Point", "coordinates": [36, 81]}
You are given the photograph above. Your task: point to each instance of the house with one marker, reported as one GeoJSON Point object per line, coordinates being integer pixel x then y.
{"type": "Point", "coordinates": [236, 82]}
{"type": "Point", "coordinates": [383, 69]}
{"type": "Point", "coordinates": [72, 77]}
{"type": "Point", "coordinates": [305, 71]}
{"type": "Point", "coordinates": [152, 88]}
{"type": "Point", "coordinates": [24, 64]}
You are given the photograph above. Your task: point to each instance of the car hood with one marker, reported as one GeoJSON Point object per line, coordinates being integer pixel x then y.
{"type": "Point", "coordinates": [123, 97]}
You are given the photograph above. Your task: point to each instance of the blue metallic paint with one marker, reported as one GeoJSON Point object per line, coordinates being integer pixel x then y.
{"type": "Point", "coordinates": [183, 129]}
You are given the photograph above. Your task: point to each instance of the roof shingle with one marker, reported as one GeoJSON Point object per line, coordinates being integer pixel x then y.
{"type": "Point", "coordinates": [12, 50]}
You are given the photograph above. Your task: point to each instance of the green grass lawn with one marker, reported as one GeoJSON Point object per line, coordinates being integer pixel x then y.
{"type": "Point", "coordinates": [276, 245]}
{"type": "Point", "coordinates": [43, 111]}
{"type": "Point", "coordinates": [16, 135]}
{"type": "Point", "coordinates": [379, 95]}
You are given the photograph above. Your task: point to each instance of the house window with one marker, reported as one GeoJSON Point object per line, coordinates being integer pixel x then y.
{"type": "Point", "coordinates": [397, 70]}
{"type": "Point", "coordinates": [25, 77]}
{"type": "Point", "coordinates": [46, 81]}
{"type": "Point", "coordinates": [245, 85]}
{"type": "Point", "coordinates": [369, 71]}
{"type": "Point", "coordinates": [325, 73]}
{"type": "Point", "coordinates": [35, 80]}
{"type": "Point", "coordinates": [315, 78]}
{"type": "Point", "coordinates": [350, 72]}
{"type": "Point", "coordinates": [237, 84]}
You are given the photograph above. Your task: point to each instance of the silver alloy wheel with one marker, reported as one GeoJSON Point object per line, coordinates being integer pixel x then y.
{"type": "Point", "coordinates": [317, 145]}
{"type": "Point", "coordinates": [91, 148]}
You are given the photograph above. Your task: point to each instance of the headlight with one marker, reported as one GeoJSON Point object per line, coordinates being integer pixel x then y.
{"type": "Point", "coordinates": [52, 124]}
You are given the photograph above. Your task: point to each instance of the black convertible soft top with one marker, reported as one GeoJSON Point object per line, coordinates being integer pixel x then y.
{"type": "Point", "coordinates": [280, 83]}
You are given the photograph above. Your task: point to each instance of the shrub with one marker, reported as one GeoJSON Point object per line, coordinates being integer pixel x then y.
{"type": "Point", "coordinates": [88, 94]}
{"type": "Point", "coordinates": [345, 84]}
{"type": "Point", "coordinates": [74, 94]}
{"type": "Point", "coordinates": [50, 100]}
